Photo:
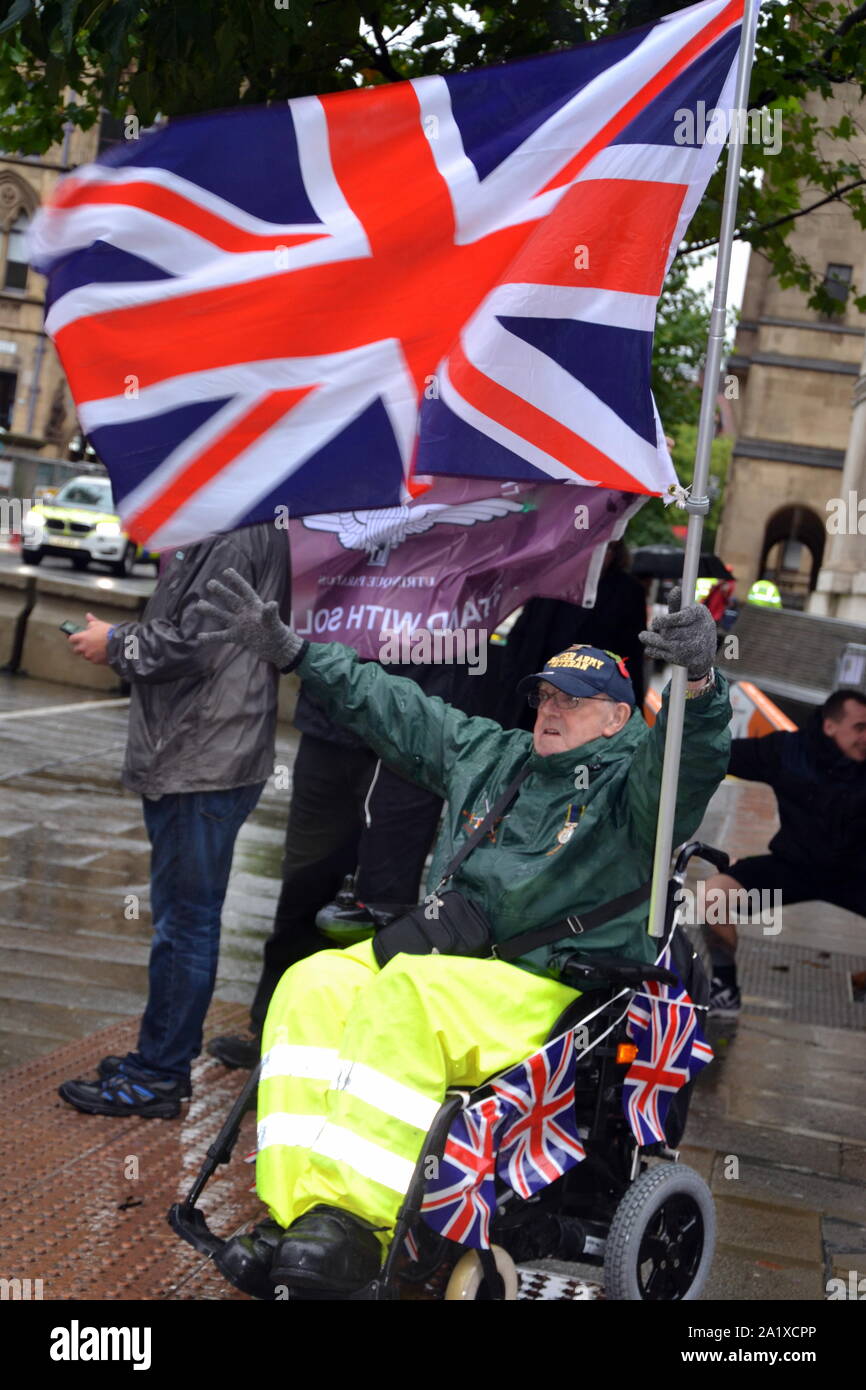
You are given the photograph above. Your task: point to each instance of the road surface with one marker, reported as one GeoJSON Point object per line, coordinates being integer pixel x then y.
{"type": "Point", "coordinates": [96, 577]}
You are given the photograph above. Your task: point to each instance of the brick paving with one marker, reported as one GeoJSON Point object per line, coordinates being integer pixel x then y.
{"type": "Point", "coordinates": [85, 1197]}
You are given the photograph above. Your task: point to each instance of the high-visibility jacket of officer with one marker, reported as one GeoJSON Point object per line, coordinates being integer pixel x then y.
{"type": "Point", "coordinates": [357, 1060]}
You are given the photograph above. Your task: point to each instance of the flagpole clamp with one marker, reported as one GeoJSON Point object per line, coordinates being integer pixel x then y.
{"type": "Point", "coordinates": [679, 496]}
{"type": "Point", "coordinates": [697, 506]}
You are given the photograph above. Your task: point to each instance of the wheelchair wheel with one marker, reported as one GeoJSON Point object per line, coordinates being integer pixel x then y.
{"type": "Point", "coordinates": [662, 1238]}
{"type": "Point", "coordinates": [467, 1278]}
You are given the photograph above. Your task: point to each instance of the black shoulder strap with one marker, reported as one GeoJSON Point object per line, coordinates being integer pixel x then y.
{"type": "Point", "coordinates": [496, 810]}
{"type": "Point", "coordinates": [573, 925]}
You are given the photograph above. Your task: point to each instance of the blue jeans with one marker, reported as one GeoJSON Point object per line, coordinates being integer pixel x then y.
{"type": "Point", "coordinates": [192, 835]}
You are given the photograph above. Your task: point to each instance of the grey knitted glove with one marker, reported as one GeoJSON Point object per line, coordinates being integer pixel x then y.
{"type": "Point", "coordinates": [683, 637]}
{"type": "Point", "coordinates": [244, 619]}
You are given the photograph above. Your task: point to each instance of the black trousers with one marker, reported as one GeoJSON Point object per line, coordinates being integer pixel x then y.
{"type": "Point", "coordinates": [327, 838]}
{"type": "Point", "coordinates": [797, 883]}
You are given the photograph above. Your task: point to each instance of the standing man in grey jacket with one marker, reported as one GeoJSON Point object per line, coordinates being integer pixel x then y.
{"type": "Point", "coordinates": [201, 746]}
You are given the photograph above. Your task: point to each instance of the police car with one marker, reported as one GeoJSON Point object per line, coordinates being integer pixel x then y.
{"type": "Point", "coordinates": [80, 522]}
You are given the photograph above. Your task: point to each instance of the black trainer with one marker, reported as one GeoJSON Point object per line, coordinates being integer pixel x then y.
{"type": "Point", "coordinates": [725, 999]}
{"type": "Point", "coordinates": [327, 1249]}
{"type": "Point", "coordinates": [111, 1065]}
{"type": "Point", "coordinates": [121, 1095]}
{"type": "Point", "coordinates": [236, 1052]}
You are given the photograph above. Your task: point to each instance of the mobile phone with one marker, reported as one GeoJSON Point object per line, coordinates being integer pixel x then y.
{"type": "Point", "coordinates": [69, 627]}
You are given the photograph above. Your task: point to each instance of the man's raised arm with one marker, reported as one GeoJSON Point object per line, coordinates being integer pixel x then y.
{"type": "Point", "coordinates": [703, 763]}
{"type": "Point", "coordinates": [418, 735]}
{"type": "Point", "coordinates": [683, 637]}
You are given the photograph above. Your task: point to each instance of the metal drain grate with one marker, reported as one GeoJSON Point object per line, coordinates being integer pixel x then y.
{"type": "Point", "coordinates": [798, 983]}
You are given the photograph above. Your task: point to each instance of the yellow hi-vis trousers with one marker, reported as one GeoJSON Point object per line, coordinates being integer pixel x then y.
{"type": "Point", "coordinates": [356, 1061]}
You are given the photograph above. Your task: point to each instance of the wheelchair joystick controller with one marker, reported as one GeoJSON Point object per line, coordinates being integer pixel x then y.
{"type": "Point", "coordinates": [346, 899]}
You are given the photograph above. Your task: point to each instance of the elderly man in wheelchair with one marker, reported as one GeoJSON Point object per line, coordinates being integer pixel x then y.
{"type": "Point", "coordinates": [546, 845]}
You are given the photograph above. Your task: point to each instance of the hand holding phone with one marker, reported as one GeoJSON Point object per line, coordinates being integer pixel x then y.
{"type": "Point", "coordinates": [90, 641]}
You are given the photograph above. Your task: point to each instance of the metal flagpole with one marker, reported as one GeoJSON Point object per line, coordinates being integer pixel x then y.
{"type": "Point", "coordinates": [698, 503]}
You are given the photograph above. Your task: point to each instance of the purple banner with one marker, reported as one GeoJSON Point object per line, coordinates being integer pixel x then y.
{"type": "Point", "coordinates": [462, 556]}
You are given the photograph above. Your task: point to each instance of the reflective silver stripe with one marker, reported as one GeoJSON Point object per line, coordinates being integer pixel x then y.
{"type": "Point", "coordinates": [295, 1131]}
{"type": "Point", "coordinates": [309, 1063]}
{"type": "Point", "coordinates": [355, 1078]}
{"type": "Point", "coordinates": [368, 1159]}
{"type": "Point", "coordinates": [315, 1133]}
{"type": "Point", "coordinates": [386, 1094]}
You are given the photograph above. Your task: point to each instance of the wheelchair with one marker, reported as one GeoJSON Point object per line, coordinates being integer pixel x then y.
{"type": "Point", "coordinates": [631, 1214]}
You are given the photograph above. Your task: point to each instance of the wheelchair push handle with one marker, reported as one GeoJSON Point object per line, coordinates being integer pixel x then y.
{"type": "Point", "coordinates": [696, 849]}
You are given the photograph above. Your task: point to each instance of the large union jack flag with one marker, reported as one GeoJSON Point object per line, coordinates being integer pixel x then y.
{"type": "Point", "coordinates": [288, 305]}
{"type": "Point", "coordinates": [537, 1136]}
{"type": "Point", "coordinates": [663, 1021]}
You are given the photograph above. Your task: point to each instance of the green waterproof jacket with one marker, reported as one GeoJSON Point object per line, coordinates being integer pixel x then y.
{"type": "Point", "coordinates": [521, 874]}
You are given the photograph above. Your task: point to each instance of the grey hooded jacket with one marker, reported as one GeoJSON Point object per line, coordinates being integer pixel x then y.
{"type": "Point", "coordinates": [202, 716]}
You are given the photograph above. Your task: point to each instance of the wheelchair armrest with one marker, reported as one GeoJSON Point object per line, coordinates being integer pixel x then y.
{"type": "Point", "coordinates": [376, 915]}
{"type": "Point", "coordinates": [593, 967]}
{"type": "Point", "coordinates": [383, 914]}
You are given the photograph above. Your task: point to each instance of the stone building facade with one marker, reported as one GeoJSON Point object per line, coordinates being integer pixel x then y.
{"type": "Point", "coordinates": [37, 415]}
{"type": "Point", "coordinates": [797, 374]}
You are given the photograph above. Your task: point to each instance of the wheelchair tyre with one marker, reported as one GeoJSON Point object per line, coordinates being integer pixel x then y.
{"type": "Point", "coordinates": [467, 1277]}
{"type": "Point", "coordinates": [662, 1238]}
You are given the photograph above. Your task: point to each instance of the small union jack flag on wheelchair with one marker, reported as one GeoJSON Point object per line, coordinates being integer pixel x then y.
{"type": "Point", "coordinates": [525, 1132]}
{"type": "Point", "coordinates": [663, 1021]}
{"type": "Point", "coordinates": [461, 1200]}
{"type": "Point", "coordinates": [538, 1137]}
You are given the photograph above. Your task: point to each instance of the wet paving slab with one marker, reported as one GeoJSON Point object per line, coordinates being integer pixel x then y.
{"type": "Point", "coordinates": [74, 866]}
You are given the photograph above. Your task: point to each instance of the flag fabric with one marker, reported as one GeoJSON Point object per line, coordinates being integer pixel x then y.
{"type": "Point", "coordinates": [537, 1136]}
{"type": "Point", "coordinates": [287, 306]}
{"type": "Point", "coordinates": [460, 1201]}
{"type": "Point", "coordinates": [525, 1133]}
{"type": "Point", "coordinates": [663, 1021]}
{"type": "Point", "coordinates": [461, 557]}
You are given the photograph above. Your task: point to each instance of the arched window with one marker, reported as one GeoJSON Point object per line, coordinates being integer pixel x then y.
{"type": "Point", "coordinates": [14, 255]}
{"type": "Point", "coordinates": [792, 552]}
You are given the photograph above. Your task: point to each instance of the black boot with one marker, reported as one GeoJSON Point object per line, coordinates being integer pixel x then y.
{"type": "Point", "coordinates": [328, 1249]}
{"type": "Point", "coordinates": [236, 1052]}
{"type": "Point", "coordinates": [246, 1260]}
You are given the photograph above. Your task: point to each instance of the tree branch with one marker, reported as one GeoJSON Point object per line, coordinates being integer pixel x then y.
{"type": "Point", "coordinates": [742, 234]}
{"type": "Point", "coordinates": [382, 58]}
{"type": "Point", "coordinates": [416, 15]}
{"type": "Point", "coordinates": [848, 23]}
